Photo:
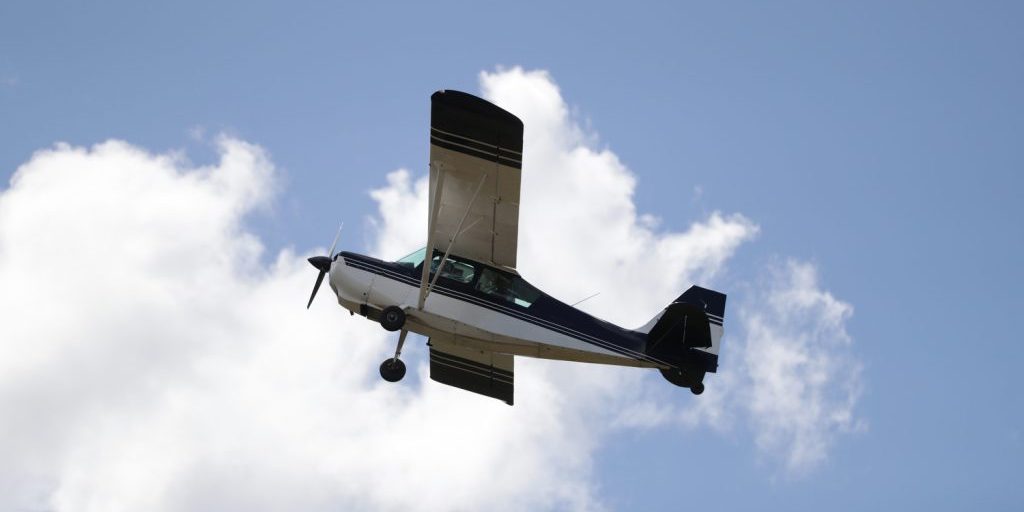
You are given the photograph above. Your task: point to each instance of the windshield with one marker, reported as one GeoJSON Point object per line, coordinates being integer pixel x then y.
{"type": "Point", "coordinates": [413, 259]}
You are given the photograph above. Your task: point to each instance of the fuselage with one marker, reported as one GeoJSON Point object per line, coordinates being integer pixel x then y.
{"type": "Point", "coordinates": [481, 306]}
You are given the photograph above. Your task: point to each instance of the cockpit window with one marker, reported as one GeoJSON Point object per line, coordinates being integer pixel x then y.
{"type": "Point", "coordinates": [453, 269]}
{"type": "Point", "coordinates": [413, 259]}
{"type": "Point", "coordinates": [513, 290]}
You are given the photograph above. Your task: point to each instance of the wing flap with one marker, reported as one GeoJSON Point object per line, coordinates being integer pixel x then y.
{"type": "Point", "coordinates": [478, 371]}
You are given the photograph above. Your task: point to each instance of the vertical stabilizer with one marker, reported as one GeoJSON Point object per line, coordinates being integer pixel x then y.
{"type": "Point", "coordinates": [713, 304]}
{"type": "Point", "coordinates": [688, 332]}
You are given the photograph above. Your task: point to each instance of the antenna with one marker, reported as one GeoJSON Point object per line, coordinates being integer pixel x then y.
{"type": "Point", "coordinates": [588, 298]}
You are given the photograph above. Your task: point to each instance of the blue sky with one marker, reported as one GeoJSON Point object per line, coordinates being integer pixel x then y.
{"type": "Point", "coordinates": [879, 142]}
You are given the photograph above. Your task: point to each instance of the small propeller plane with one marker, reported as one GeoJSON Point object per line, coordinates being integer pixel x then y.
{"type": "Point", "coordinates": [477, 312]}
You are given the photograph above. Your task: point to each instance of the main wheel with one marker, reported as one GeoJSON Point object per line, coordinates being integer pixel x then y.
{"type": "Point", "coordinates": [697, 388]}
{"type": "Point", "coordinates": [392, 370]}
{"type": "Point", "coordinates": [392, 318]}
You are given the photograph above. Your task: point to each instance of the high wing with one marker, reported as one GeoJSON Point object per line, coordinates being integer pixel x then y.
{"type": "Point", "coordinates": [479, 371]}
{"type": "Point", "coordinates": [475, 165]}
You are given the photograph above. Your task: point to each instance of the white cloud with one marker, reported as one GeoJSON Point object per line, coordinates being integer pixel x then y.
{"type": "Point", "coordinates": [789, 376]}
{"type": "Point", "coordinates": [801, 379]}
{"type": "Point", "coordinates": [798, 381]}
{"type": "Point", "coordinates": [149, 361]}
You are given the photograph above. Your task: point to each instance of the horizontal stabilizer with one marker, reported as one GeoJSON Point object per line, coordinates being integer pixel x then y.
{"type": "Point", "coordinates": [479, 371]}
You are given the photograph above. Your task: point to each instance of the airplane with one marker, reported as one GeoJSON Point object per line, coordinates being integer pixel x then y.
{"type": "Point", "coordinates": [477, 312]}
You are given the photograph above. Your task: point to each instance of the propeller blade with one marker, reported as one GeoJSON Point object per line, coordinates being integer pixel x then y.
{"type": "Point", "coordinates": [323, 264]}
{"type": "Point", "coordinates": [319, 279]}
{"type": "Point", "coordinates": [330, 254]}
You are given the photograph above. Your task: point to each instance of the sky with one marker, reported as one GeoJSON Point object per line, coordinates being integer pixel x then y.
{"type": "Point", "coordinates": [848, 174]}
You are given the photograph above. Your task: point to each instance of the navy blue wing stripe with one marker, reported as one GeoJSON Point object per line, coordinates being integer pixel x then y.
{"type": "Point", "coordinates": [473, 144]}
{"type": "Point", "coordinates": [483, 155]}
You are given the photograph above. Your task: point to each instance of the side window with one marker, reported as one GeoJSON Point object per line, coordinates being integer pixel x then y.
{"type": "Point", "coordinates": [506, 288]}
{"type": "Point", "coordinates": [525, 295]}
{"type": "Point", "coordinates": [453, 269]}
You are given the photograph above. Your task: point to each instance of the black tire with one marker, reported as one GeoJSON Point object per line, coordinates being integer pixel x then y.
{"type": "Point", "coordinates": [392, 370]}
{"type": "Point", "coordinates": [697, 388]}
{"type": "Point", "coordinates": [392, 318]}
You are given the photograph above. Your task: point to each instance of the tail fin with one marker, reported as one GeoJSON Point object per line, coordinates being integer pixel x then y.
{"type": "Point", "coordinates": [688, 332]}
{"type": "Point", "coordinates": [714, 307]}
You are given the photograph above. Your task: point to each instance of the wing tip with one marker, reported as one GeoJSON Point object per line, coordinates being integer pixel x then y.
{"type": "Point", "coordinates": [465, 101]}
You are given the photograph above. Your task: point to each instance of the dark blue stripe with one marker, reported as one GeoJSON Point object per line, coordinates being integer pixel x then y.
{"type": "Point", "coordinates": [546, 324]}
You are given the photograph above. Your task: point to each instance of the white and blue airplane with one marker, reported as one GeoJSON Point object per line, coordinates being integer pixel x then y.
{"type": "Point", "coordinates": [477, 312]}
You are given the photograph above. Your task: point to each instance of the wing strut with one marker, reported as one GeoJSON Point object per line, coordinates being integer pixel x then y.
{"type": "Point", "coordinates": [424, 288]}
{"type": "Point", "coordinates": [435, 203]}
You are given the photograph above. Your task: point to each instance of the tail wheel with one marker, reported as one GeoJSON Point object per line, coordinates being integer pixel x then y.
{"type": "Point", "coordinates": [697, 388]}
{"type": "Point", "coordinates": [392, 318]}
{"type": "Point", "coordinates": [392, 370]}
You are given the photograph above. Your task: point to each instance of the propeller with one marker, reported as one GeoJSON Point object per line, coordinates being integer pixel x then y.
{"type": "Point", "coordinates": [323, 264]}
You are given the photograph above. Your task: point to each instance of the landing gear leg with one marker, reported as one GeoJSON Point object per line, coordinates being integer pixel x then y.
{"type": "Point", "coordinates": [393, 369]}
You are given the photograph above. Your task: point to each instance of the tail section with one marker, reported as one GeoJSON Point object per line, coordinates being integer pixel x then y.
{"type": "Point", "coordinates": [687, 335]}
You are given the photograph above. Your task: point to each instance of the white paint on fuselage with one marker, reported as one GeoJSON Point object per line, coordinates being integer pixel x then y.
{"type": "Point", "coordinates": [456, 318]}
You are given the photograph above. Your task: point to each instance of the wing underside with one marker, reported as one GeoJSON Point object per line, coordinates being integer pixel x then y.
{"type": "Point", "coordinates": [477, 147]}
{"type": "Point", "coordinates": [479, 371]}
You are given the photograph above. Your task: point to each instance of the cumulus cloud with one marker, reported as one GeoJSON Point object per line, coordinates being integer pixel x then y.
{"type": "Point", "coordinates": [150, 361]}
